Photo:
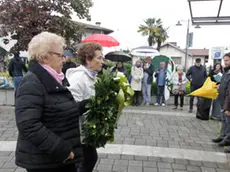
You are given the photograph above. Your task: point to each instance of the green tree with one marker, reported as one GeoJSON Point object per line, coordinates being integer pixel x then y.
{"type": "Point", "coordinates": [153, 28]}
{"type": "Point", "coordinates": [26, 18]}
{"type": "Point", "coordinates": [161, 36]}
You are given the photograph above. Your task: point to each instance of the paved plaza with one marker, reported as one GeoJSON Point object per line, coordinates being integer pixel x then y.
{"type": "Point", "coordinates": [148, 139]}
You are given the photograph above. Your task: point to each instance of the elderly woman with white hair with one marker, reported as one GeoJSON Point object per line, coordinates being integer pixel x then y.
{"type": "Point", "coordinates": [179, 86]}
{"type": "Point", "coordinates": [46, 113]}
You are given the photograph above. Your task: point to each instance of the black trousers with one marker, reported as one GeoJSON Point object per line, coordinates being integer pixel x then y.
{"type": "Point", "coordinates": [90, 159]}
{"type": "Point", "coordinates": [193, 88]}
{"type": "Point", "coordinates": [67, 168]}
{"type": "Point", "coordinates": [136, 99]}
{"type": "Point", "coordinates": [181, 100]}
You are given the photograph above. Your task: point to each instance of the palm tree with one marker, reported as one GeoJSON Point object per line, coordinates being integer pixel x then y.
{"type": "Point", "coordinates": [156, 33]}
{"type": "Point", "coordinates": [161, 36]}
{"type": "Point", "coordinates": [149, 29]}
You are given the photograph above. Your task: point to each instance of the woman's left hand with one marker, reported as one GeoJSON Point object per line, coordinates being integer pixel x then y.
{"type": "Point", "coordinates": [227, 113]}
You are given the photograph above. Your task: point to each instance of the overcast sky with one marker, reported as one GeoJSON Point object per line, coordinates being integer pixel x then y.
{"type": "Point", "coordinates": [124, 17]}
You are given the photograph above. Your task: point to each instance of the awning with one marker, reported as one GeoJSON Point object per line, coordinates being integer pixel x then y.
{"type": "Point", "coordinates": [209, 12]}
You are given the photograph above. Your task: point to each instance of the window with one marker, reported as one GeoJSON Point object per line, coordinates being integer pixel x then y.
{"type": "Point", "coordinates": [177, 60]}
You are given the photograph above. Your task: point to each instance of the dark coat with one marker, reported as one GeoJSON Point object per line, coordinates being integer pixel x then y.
{"type": "Point", "coordinates": [16, 67]}
{"type": "Point", "coordinates": [223, 88]}
{"type": "Point", "coordinates": [122, 70]}
{"type": "Point", "coordinates": [68, 65]}
{"type": "Point", "coordinates": [150, 72]}
{"type": "Point", "coordinates": [227, 100]}
{"type": "Point", "coordinates": [47, 120]}
{"type": "Point", "coordinates": [197, 75]}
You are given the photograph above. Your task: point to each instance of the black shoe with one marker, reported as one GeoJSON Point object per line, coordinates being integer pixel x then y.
{"type": "Point", "coordinates": [227, 150]}
{"type": "Point", "coordinates": [224, 143]}
{"type": "Point", "coordinates": [190, 111]}
{"type": "Point", "coordinates": [217, 140]}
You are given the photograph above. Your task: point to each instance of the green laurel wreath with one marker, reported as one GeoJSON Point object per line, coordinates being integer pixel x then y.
{"type": "Point", "coordinates": [113, 92]}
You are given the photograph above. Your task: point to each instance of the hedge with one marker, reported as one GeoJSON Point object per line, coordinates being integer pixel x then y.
{"type": "Point", "coordinates": [154, 88]}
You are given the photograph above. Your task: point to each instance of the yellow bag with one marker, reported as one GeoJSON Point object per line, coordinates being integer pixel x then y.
{"type": "Point", "coordinates": [208, 90]}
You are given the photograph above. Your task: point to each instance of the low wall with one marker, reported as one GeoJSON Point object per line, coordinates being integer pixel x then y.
{"type": "Point", "coordinates": [7, 98]}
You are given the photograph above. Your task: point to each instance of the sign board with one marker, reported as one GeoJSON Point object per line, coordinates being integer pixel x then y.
{"type": "Point", "coordinates": [190, 39]}
{"type": "Point", "coordinates": [217, 52]}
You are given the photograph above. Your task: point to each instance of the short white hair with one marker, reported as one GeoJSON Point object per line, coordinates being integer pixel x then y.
{"type": "Point", "coordinates": [180, 67]}
{"type": "Point", "coordinates": [43, 43]}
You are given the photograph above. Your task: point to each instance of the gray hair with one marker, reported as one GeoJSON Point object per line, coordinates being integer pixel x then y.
{"type": "Point", "coordinates": [180, 67]}
{"type": "Point", "coordinates": [43, 43]}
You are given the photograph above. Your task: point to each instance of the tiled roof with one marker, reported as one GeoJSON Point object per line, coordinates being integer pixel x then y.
{"type": "Point", "coordinates": [176, 47]}
{"type": "Point", "coordinates": [96, 27]}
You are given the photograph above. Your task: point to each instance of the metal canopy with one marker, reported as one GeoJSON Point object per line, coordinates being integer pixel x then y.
{"type": "Point", "coordinates": [216, 19]}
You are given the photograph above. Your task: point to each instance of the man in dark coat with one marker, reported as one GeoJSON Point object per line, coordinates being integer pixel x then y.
{"type": "Point", "coordinates": [68, 61]}
{"type": "Point", "coordinates": [224, 138]}
{"type": "Point", "coordinates": [16, 68]}
{"type": "Point", "coordinates": [196, 75]}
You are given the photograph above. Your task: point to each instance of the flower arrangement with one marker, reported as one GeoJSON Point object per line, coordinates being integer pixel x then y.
{"type": "Point", "coordinates": [113, 92]}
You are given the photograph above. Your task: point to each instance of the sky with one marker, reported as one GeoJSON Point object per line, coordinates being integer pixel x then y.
{"type": "Point", "coordinates": [124, 17]}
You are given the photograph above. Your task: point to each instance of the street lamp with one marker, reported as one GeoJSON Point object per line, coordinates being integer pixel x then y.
{"type": "Point", "coordinates": [187, 38]}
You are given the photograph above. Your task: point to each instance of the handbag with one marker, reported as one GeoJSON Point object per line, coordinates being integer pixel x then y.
{"type": "Point", "coordinates": [179, 91]}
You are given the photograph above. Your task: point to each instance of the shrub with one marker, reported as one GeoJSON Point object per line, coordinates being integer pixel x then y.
{"type": "Point", "coordinates": [154, 88]}
{"type": "Point", "coordinates": [188, 87]}
{"type": "Point", "coordinates": [128, 67]}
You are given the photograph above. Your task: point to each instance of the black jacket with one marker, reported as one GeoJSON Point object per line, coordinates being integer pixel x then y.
{"type": "Point", "coordinates": [150, 72]}
{"type": "Point", "coordinates": [68, 65]}
{"type": "Point", "coordinates": [16, 67]}
{"type": "Point", "coordinates": [197, 75]}
{"type": "Point", "coordinates": [47, 120]}
{"type": "Point", "coordinates": [223, 88]}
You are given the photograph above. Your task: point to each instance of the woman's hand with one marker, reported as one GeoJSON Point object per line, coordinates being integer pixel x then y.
{"type": "Point", "coordinates": [71, 156]}
{"type": "Point", "coordinates": [82, 105]}
{"type": "Point", "coordinates": [227, 113]}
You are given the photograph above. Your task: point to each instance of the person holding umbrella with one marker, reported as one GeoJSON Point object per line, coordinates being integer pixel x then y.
{"type": "Point", "coordinates": [119, 57]}
{"type": "Point", "coordinates": [120, 68]}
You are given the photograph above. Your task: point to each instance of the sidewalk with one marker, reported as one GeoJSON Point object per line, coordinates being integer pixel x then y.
{"type": "Point", "coordinates": [148, 139]}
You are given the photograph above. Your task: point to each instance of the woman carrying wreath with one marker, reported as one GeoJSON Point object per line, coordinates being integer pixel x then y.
{"type": "Point", "coordinates": [82, 80]}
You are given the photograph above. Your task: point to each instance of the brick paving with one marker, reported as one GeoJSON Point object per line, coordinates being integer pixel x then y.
{"type": "Point", "coordinates": [158, 127]}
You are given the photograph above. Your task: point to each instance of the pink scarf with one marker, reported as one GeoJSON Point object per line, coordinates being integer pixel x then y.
{"type": "Point", "coordinates": [58, 76]}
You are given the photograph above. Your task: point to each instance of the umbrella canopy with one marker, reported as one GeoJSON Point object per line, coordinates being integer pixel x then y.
{"type": "Point", "coordinates": [103, 40]}
{"type": "Point", "coordinates": [118, 56]}
{"type": "Point", "coordinates": [144, 51]}
{"type": "Point", "coordinates": [157, 59]}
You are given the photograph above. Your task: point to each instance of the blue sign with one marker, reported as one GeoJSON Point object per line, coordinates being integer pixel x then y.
{"type": "Point", "coordinates": [217, 52]}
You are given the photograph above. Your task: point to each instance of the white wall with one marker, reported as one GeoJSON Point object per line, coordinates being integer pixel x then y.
{"type": "Point", "coordinates": [172, 52]}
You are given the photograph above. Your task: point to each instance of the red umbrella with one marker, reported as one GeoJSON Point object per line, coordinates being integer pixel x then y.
{"type": "Point", "coordinates": [104, 40]}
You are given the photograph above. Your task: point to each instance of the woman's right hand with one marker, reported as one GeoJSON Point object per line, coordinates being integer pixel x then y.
{"type": "Point", "coordinates": [71, 156]}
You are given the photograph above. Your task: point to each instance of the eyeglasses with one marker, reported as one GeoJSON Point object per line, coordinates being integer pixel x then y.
{"type": "Point", "coordinates": [58, 54]}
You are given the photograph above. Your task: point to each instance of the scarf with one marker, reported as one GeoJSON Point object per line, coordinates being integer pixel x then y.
{"type": "Point", "coordinates": [180, 77]}
{"type": "Point", "coordinates": [58, 76]}
{"type": "Point", "coordinates": [92, 72]}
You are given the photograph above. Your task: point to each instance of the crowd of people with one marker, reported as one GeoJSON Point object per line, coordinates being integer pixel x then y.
{"type": "Point", "coordinates": [50, 100]}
